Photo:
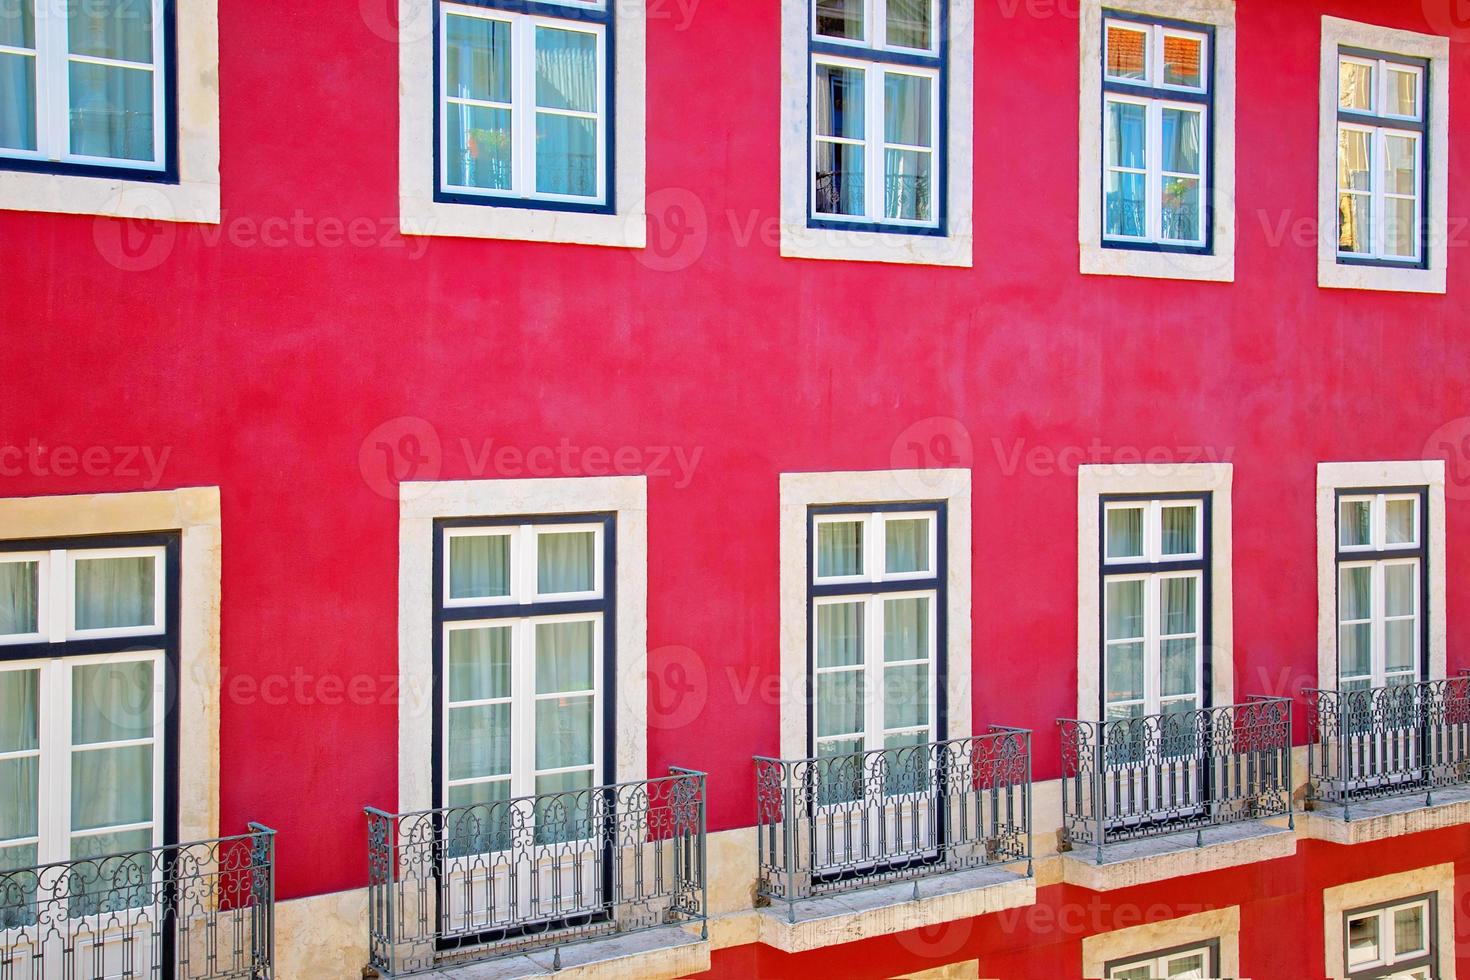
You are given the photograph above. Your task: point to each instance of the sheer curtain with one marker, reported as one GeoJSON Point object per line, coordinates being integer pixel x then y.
{"type": "Point", "coordinates": [19, 777]}
{"type": "Point", "coordinates": [19, 581]}
{"type": "Point", "coordinates": [566, 79]}
{"type": "Point", "coordinates": [839, 548]}
{"type": "Point", "coordinates": [111, 105]}
{"type": "Point", "coordinates": [566, 562]}
{"type": "Point", "coordinates": [907, 545]}
{"type": "Point", "coordinates": [114, 592]}
{"type": "Point", "coordinates": [479, 567]}
{"type": "Point", "coordinates": [18, 111]}
{"type": "Point", "coordinates": [564, 729]}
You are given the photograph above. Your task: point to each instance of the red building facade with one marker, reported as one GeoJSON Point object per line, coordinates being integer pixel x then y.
{"type": "Point", "coordinates": [418, 345]}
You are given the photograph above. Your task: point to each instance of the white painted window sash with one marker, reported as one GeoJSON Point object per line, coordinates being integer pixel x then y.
{"type": "Point", "coordinates": [1378, 194]}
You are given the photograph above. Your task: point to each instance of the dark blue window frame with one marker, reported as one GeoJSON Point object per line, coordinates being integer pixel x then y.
{"type": "Point", "coordinates": [938, 62]}
{"type": "Point", "coordinates": [1205, 98]}
{"type": "Point", "coordinates": [169, 76]}
{"type": "Point", "coordinates": [602, 15]}
{"type": "Point", "coordinates": [1420, 551]}
{"type": "Point", "coordinates": [1420, 126]}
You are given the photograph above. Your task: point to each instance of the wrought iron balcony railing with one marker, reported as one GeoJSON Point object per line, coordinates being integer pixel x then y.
{"type": "Point", "coordinates": [1380, 742]}
{"type": "Point", "coordinates": [464, 884]}
{"type": "Point", "coordinates": [203, 910]}
{"type": "Point", "coordinates": [1154, 775]}
{"type": "Point", "coordinates": [847, 822]}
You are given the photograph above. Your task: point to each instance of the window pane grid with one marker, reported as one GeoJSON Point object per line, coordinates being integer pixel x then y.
{"type": "Point", "coordinates": [1380, 167]}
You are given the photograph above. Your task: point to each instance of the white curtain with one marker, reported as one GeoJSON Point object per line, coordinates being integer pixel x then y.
{"type": "Point", "coordinates": [111, 106]}
{"type": "Point", "coordinates": [564, 662]}
{"type": "Point", "coordinates": [907, 544]}
{"type": "Point", "coordinates": [1125, 532]}
{"type": "Point", "coordinates": [19, 581]}
{"type": "Point", "coordinates": [839, 548]}
{"type": "Point", "coordinates": [18, 110]}
{"type": "Point", "coordinates": [566, 78]}
{"type": "Point", "coordinates": [479, 567]}
{"type": "Point", "coordinates": [566, 562]}
{"type": "Point", "coordinates": [114, 592]}
{"type": "Point", "coordinates": [906, 629]}
{"type": "Point", "coordinates": [19, 778]}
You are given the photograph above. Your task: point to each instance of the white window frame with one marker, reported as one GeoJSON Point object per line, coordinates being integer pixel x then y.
{"type": "Point", "coordinates": [1159, 964]}
{"type": "Point", "coordinates": [52, 57]}
{"type": "Point", "coordinates": [875, 546]}
{"type": "Point", "coordinates": [522, 107]}
{"type": "Point", "coordinates": [64, 590]}
{"type": "Point", "coordinates": [1378, 619]}
{"type": "Point", "coordinates": [1378, 194]}
{"type": "Point", "coordinates": [875, 30]}
{"type": "Point", "coordinates": [524, 554]}
{"type": "Point", "coordinates": [1389, 956]}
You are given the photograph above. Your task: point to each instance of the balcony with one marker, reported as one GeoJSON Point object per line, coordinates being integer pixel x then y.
{"type": "Point", "coordinates": [843, 840]}
{"type": "Point", "coordinates": [203, 910]}
{"type": "Point", "coordinates": [1378, 754]}
{"type": "Point", "coordinates": [546, 882]}
{"type": "Point", "coordinates": [1130, 785]}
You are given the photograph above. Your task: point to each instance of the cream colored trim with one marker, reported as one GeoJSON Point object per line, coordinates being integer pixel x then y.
{"type": "Point", "coordinates": [1332, 477]}
{"type": "Point", "coordinates": [964, 970]}
{"type": "Point", "coordinates": [1222, 924]}
{"type": "Point", "coordinates": [1096, 260]}
{"type": "Point", "coordinates": [419, 505]}
{"type": "Point", "coordinates": [800, 491]}
{"type": "Point", "coordinates": [1336, 33]}
{"type": "Point", "coordinates": [322, 936]}
{"type": "Point", "coordinates": [797, 240]}
{"type": "Point", "coordinates": [1095, 481]}
{"type": "Point", "coordinates": [196, 197]}
{"type": "Point", "coordinates": [195, 512]}
{"type": "Point", "coordinates": [1439, 879]}
{"type": "Point", "coordinates": [420, 214]}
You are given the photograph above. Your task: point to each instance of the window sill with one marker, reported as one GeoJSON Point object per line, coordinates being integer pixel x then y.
{"type": "Point", "coordinates": [1098, 260]}
{"type": "Point", "coordinates": [659, 954]}
{"type": "Point", "coordinates": [423, 216]}
{"type": "Point", "coordinates": [798, 241]}
{"type": "Point", "coordinates": [1332, 274]}
{"type": "Point", "coordinates": [1139, 862]}
{"type": "Point", "coordinates": [196, 202]}
{"type": "Point", "coordinates": [1373, 820]}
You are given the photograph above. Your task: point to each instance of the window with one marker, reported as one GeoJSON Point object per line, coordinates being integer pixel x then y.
{"type": "Point", "coordinates": [877, 74]}
{"type": "Point", "coordinates": [87, 653]}
{"type": "Point", "coordinates": [1198, 961]}
{"type": "Point", "coordinates": [1380, 157]}
{"type": "Point", "coordinates": [1157, 95]}
{"type": "Point", "coordinates": [524, 104]}
{"type": "Point", "coordinates": [1155, 585]}
{"type": "Point", "coordinates": [1381, 588]}
{"type": "Point", "coordinates": [877, 649]}
{"type": "Point", "coordinates": [524, 657]}
{"type": "Point", "coordinates": [85, 87]}
{"type": "Point", "coordinates": [1392, 940]}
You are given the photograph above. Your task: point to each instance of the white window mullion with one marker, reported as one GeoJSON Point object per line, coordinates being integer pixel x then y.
{"type": "Point", "coordinates": [59, 596]}
{"type": "Point", "coordinates": [523, 98]}
{"type": "Point", "coordinates": [1152, 662]}
{"type": "Point", "coordinates": [1154, 162]}
{"type": "Point", "coordinates": [523, 708]}
{"type": "Point", "coordinates": [873, 86]}
{"type": "Point", "coordinates": [873, 669]}
{"type": "Point", "coordinates": [61, 687]}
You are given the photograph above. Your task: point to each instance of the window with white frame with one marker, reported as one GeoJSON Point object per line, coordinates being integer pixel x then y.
{"type": "Point", "coordinates": [1197, 962]}
{"type": "Point", "coordinates": [1381, 135]}
{"type": "Point", "coordinates": [877, 74]}
{"type": "Point", "coordinates": [1157, 103]}
{"type": "Point", "coordinates": [523, 103]}
{"type": "Point", "coordinates": [1381, 588]}
{"type": "Point", "coordinates": [84, 85]}
{"type": "Point", "coordinates": [877, 652]}
{"type": "Point", "coordinates": [524, 650]}
{"type": "Point", "coordinates": [86, 642]}
{"type": "Point", "coordinates": [1396, 939]}
{"type": "Point", "coordinates": [1155, 581]}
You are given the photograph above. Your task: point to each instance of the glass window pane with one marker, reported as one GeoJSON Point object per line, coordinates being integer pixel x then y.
{"type": "Point", "coordinates": [1127, 213]}
{"type": "Point", "coordinates": [1354, 523]}
{"type": "Point", "coordinates": [1355, 224]}
{"type": "Point", "coordinates": [906, 696]}
{"type": "Point", "coordinates": [111, 787]}
{"type": "Point", "coordinates": [1403, 92]}
{"type": "Point", "coordinates": [910, 23]}
{"type": "Point", "coordinates": [112, 593]}
{"type": "Point", "coordinates": [1181, 209]}
{"type": "Point", "coordinates": [841, 104]}
{"type": "Point", "coordinates": [906, 545]}
{"type": "Point", "coordinates": [18, 23]}
{"type": "Point", "coordinates": [18, 111]}
{"type": "Point", "coordinates": [906, 763]}
{"type": "Point", "coordinates": [840, 19]}
{"type": "Point", "coordinates": [112, 884]}
{"type": "Point", "coordinates": [1354, 160]}
{"type": "Point", "coordinates": [111, 702]}
{"type": "Point", "coordinates": [479, 663]}
{"type": "Point", "coordinates": [1178, 674]}
{"type": "Point", "coordinates": [1144, 972]}
{"type": "Point", "coordinates": [1355, 86]}
{"type": "Point", "coordinates": [20, 583]}
{"type": "Point", "coordinates": [564, 656]}
{"type": "Point", "coordinates": [1125, 532]}
{"type": "Point", "coordinates": [841, 185]}
{"type": "Point", "coordinates": [1125, 610]}
{"type": "Point", "coordinates": [118, 29]}
{"type": "Point", "coordinates": [1401, 517]}
{"type": "Point", "coordinates": [1177, 606]}
{"type": "Point", "coordinates": [839, 634]}
{"type": "Point", "coordinates": [1181, 141]}
{"type": "Point", "coordinates": [1402, 164]}
{"type": "Point", "coordinates": [908, 109]}
{"type": "Point", "coordinates": [478, 150]}
{"type": "Point", "coordinates": [907, 184]}
{"type": "Point", "coordinates": [1399, 598]}
{"type": "Point", "coordinates": [564, 811]}
{"type": "Point", "coordinates": [906, 629]}
{"type": "Point", "coordinates": [111, 111]}
{"type": "Point", "coordinates": [1408, 930]}
{"type": "Point", "coordinates": [840, 703]}
{"type": "Point", "coordinates": [1184, 61]}
{"type": "Point", "coordinates": [479, 741]}
{"type": "Point", "coordinates": [19, 794]}
{"type": "Point", "coordinates": [1127, 54]}
{"type": "Point", "coordinates": [566, 561]}
{"type": "Point", "coordinates": [1401, 227]}
{"type": "Point", "coordinates": [1179, 525]}
{"type": "Point", "coordinates": [477, 59]}
{"type": "Point", "coordinates": [480, 830]}
{"type": "Point", "coordinates": [566, 69]}
{"type": "Point", "coordinates": [19, 710]}
{"type": "Point", "coordinates": [1127, 135]}
{"type": "Point", "coordinates": [1355, 650]}
{"type": "Point", "coordinates": [566, 155]}
{"type": "Point", "coordinates": [839, 548]}
{"type": "Point", "coordinates": [564, 732]}
{"type": "Point", "coordinates": [1355, 593]}
{"type": "Point", "coordinates": [1363, 940]}
{"type": "Point", "coordinates": [1188, 966]}
{"type": "Point", "coordinates": [1125, 672]}
{"type": "Point", "coordinates": [479, 566]}
{"type": "Point", "coordinates": [1399, 640]}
